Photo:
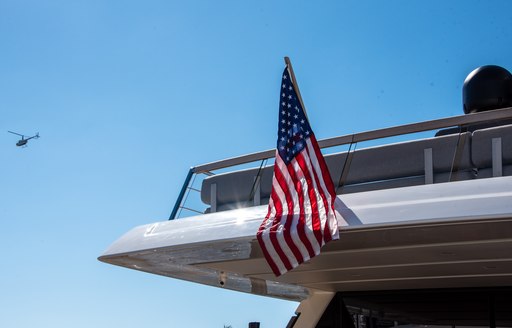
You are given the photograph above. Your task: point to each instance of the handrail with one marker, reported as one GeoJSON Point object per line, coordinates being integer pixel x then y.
{"type": "Point", "coordinates": [462, 120]}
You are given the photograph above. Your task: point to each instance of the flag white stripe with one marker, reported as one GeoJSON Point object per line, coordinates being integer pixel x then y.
{"type": "Point", "coordinates": [325, 213]}
{"type": "Point", "coordinates": [306, 207]}
{"type": "Point", "coordinates": [272, 252]}
{"type": "Point", "coordinates": [266, 238]}
{"type": "Point", "coordinates": [295, 219]}
{"type": "Point", "coordinates": [322, 214]}
{"type": "Point", "coordinates": [314, 160]}
{"type": "Point", "coordinates": [281, 235]}
{"type": "Point", "coordinates": [291, 188]}
{"type": "Point", "coordinates": [293, 226]}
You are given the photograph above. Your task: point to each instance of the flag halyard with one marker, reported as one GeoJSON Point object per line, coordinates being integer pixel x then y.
{"type": "Point", "coordinates": [301, 216]}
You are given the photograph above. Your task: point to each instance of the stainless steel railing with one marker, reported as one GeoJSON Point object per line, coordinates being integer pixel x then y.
{"type": "Point", "coordinates": [455, 121]}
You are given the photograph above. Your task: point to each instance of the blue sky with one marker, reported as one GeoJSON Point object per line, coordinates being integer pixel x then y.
{"type": "Point", "coordinates": [127, 95]}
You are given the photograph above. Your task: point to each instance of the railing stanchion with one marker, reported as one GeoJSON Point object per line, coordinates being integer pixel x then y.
{"type": "Point", "coordinates": [182, 194]}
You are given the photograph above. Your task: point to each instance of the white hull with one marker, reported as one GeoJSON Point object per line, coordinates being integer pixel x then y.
{"type": "Point", "coordinates": [446, 235]}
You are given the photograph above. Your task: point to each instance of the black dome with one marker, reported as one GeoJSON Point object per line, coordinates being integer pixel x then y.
{"type": "Point", "coordinates": [487, 88]}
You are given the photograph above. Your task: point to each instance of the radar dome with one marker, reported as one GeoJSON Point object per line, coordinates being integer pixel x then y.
{"type": "Point", "coordinates": [487, 88]}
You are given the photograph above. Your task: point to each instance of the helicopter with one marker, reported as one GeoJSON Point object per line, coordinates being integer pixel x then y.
{"type": "Point", "coordinates": [23, 141]}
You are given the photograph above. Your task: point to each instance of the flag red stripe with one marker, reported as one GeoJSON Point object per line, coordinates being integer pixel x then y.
{"type": "Point", "coordinates": [301, 225]}
{"type": "Point", "coordinates": [288, 190]}
{"type": "Point", "coordinates": [321, 194]}
{"type": "Point", "coordinates": [268, 250]}
{"type": "Point", "coordinates": [289, 217]}
{"type": "Point", "coordinates": [331, 226]}
{"type": "Point", "coordinates": [315, 219]}
{"type": "Point", "coordinates": [323, 198]}
{"type": "Point", "coordinates": [278, 218]}
{"type": "Point", "coordinates": [323, 166]}
{"type": "Point", "coordinates": [268, 257]}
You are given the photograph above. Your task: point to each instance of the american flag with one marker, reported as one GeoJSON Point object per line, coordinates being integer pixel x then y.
{"type": "Point", "coordinates": [301, 216]}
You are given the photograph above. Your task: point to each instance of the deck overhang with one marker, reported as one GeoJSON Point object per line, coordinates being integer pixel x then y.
{"type": "Point", "coordinates": [447, 235]}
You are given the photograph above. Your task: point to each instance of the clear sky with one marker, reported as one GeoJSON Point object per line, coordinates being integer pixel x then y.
{"type": "Point", "coordinates": [127, 95]}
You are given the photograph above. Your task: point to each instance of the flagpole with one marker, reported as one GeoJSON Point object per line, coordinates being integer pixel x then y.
{"type": "Point", "coordinates": [295, 85]}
